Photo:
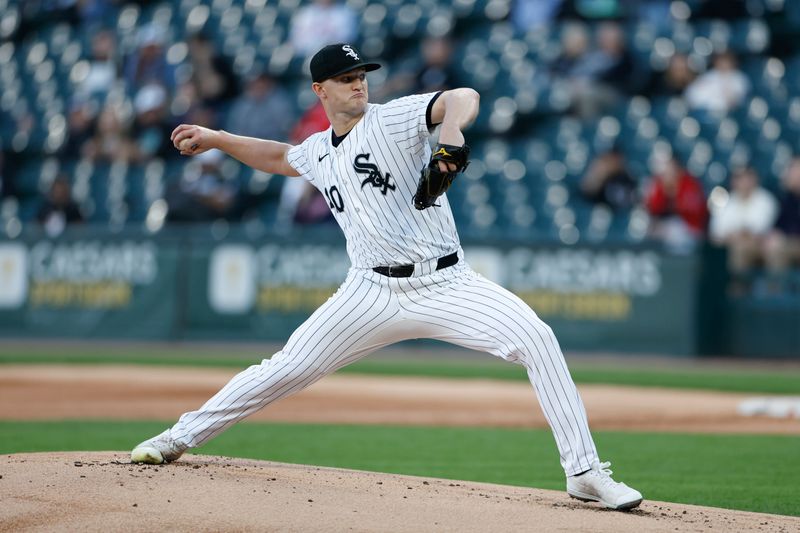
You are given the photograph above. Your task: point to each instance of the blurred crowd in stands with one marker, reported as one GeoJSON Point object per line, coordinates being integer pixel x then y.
{"type": "Point", "coordinates": [123, 105]}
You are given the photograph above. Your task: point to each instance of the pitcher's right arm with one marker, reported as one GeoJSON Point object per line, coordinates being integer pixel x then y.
{"type": "Point", "coordinates": [260, 154]}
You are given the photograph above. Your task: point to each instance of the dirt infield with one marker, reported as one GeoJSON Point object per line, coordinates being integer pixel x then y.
{"type": "Point", "coordinates": [99, 491]}
{"type": "Point", "coordinates": [37, 392]}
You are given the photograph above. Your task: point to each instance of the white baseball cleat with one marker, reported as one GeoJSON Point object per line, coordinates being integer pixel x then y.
{"type": "Point", "coordinates": [596, 485]}
{"type": "Point", "coordinates": [158, 450]}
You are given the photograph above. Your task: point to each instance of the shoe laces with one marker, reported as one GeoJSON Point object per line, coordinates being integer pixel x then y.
{"type": "Point", "coordinates": [603, 473]}
{"type": "Point", "coordinates": [166, 439]}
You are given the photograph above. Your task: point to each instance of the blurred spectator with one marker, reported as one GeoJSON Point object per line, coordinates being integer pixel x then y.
{"type": "Point", "coordinates": [148, 64]}
{"type": "Point", "coordinates": [202, 193]}
{"type": "Point", "coordinates": [675, 79]}
{"type": "Point", "coordinates": [212, 73]}
{"type": "Point", "coordinates": [301, 202]}
{"type": "Point", "coordinates": [574, 46]}
{"type": "Point", "coordinates": [103, 68]}
{"type": "Point", "coordinates": [187, 108]}
{"type": "Point", "coordinates": [595, 78]}
{"type": "Point", "coordinates": [312, 121]}
{"type": "Point", "coordinates": [6, 180]}
{"type": "Point", "coordinates": [611, 62]}
{"type": "Point", "coordinates": [742, 222]}
{"type": "Point", "coordinates": [263, 111]}
{"type": "Point", "coordinates": [151, 130]}
{"type": "Point", "coordinates": [84, 14]}
{"type": "Point", "coordinates": [721, 88]}
{"type": "Point", "coordinates": [58, 208]}
{"type": "Point", "coordinates": [677, 203]}
{"type": "Point", "coordinates": [432, 71]}
{"type": "Point", "coordinates": [94, 13]}
{"type": "Point", "coordinates": [607, 181]}
{"type": "Point", "coordinates": [25, 125]}
{"type": "Point", "coordinates": [80, 126]}
{"type": "Point", "coordinates": [534, 14]}
{"type": "Point", "coordinates": [110, 141]}
{"type": "Point", "coordinates": [202, 116]}
{"type": "Point", "coordinates": [654, 12]}
{"type": "Point", "coordinates": [35, 13]}
{"type": "Point", "coordinates": [436, 71]}
{"type": "Point", "coordinates": [782, 246]}
{"type": "Point", "coordinates": [321, 23]}
{"type": "Point", "coordinates": [184, 102]}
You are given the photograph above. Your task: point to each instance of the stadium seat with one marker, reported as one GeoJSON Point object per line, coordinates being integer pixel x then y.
{"type": "Point", "coordinates": [528, 155]}
{"type": "Point", "coordinates": [29, 207]}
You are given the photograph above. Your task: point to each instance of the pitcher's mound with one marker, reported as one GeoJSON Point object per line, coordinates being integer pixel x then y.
{"type": "Point", "coordinates": [101, 491]}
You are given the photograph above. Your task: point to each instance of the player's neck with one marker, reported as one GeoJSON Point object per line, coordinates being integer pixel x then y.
{"type": "Point", "coordinates": [342, 123]}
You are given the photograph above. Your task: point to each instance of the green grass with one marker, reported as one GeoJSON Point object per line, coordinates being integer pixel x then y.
{"type": "Point", "coordinates": [127, 356]}
{"type": "Point", "coordinates": [783, 381]}
{"type": "Point", "coordinates": [754, 473]}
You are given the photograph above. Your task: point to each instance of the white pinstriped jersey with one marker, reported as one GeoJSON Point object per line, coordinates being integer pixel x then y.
{"type": "Point", "coordinates": [369, 180]}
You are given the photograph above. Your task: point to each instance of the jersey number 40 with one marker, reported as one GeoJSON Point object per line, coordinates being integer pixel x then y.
{"type": "Point", "coordinates": [334, 198]}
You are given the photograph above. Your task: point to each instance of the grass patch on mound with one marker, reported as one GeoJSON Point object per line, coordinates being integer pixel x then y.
{"type": "Point", "coordinates": [746, 472]}
{"type": "Point", "coordinates": [638, 372]}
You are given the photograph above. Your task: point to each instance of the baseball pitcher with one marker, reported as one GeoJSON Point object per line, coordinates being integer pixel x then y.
{"type": "Point", "coordinates": [408, 279]}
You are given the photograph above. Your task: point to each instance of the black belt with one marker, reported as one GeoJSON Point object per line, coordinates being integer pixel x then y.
{"type": "Point", "coordinates": [406, 271]}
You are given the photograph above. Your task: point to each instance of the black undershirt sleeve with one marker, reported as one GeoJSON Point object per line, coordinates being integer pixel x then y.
{"type": "Point", "coordinates": [428, 119]}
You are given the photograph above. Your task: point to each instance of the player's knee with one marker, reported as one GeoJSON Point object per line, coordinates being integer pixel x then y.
{"type": "Point", "coordinates": [548, 332]}
{"type": "Point", "coordinates": [291, 367]}
{"type": "Point", "coordinates": [540, 329]}
{"type": "Point", "coordinates": [543, 341]}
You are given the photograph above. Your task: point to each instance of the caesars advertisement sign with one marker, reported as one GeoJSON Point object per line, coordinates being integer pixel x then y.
{"type": "Point", "coordinates": [570, 283]}
{"type": "Point", "coordinates": [167, 289]}
{"type": "Point", "coordinates": [77, 275]}
{"type": "Point", "coordinates": [274, 278]}
{"type": "Point", "coordinates": [573, 283]}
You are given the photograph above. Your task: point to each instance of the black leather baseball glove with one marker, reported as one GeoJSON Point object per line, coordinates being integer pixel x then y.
{"type": "Point", "coordinates": [433, 182]}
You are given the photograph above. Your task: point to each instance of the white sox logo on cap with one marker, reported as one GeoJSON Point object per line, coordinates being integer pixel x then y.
{"type": "Point", "coordinates": [352, 53]}
{"type": "Point", "coordinates": [336, 59]}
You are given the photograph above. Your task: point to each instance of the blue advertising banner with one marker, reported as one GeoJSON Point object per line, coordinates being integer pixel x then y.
{"type": "Point", "coordinates": [191, 285]}
{"type": "Point", "coordinates": [87, 286]}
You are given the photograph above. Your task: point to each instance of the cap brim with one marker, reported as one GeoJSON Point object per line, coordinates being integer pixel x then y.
{"type": "Point", "coordinates": [369, 67]}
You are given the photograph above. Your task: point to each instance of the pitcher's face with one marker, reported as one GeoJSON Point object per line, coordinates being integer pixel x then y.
{"type": "Point", "coordinates": [345, 93]}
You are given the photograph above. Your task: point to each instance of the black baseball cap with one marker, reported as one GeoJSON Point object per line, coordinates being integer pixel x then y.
{"type": "Point", "coordinates": [336, 59]}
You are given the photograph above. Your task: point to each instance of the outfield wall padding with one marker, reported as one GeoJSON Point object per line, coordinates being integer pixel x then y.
{"type": "Point", "coordinates": [239, 284]}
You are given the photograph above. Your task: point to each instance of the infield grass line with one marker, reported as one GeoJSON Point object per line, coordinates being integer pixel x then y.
{"type": "Point", "coordinates": [745, 472]}
{"type": "Point", "coordinates": [785, 381]}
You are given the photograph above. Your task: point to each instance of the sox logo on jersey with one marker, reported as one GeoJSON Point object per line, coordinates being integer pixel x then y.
{"type": "Point", "coordinates": [374, 175]}
{"type": "Point", "coordinates": [366, 193]}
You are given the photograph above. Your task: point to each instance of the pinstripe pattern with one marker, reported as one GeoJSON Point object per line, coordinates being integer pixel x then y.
{"type": "Point", "coordinates": [381, 229]}
{"type": "Point", "coordinates": [349, 324]}
{"type": "Point", "coordinates": [369, 311]}
{"type": "Point", "coordinates": [471, 311]}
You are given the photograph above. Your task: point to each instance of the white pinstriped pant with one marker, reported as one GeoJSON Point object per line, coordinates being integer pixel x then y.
{"type": "Point", "coordinates": [370, 311]}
